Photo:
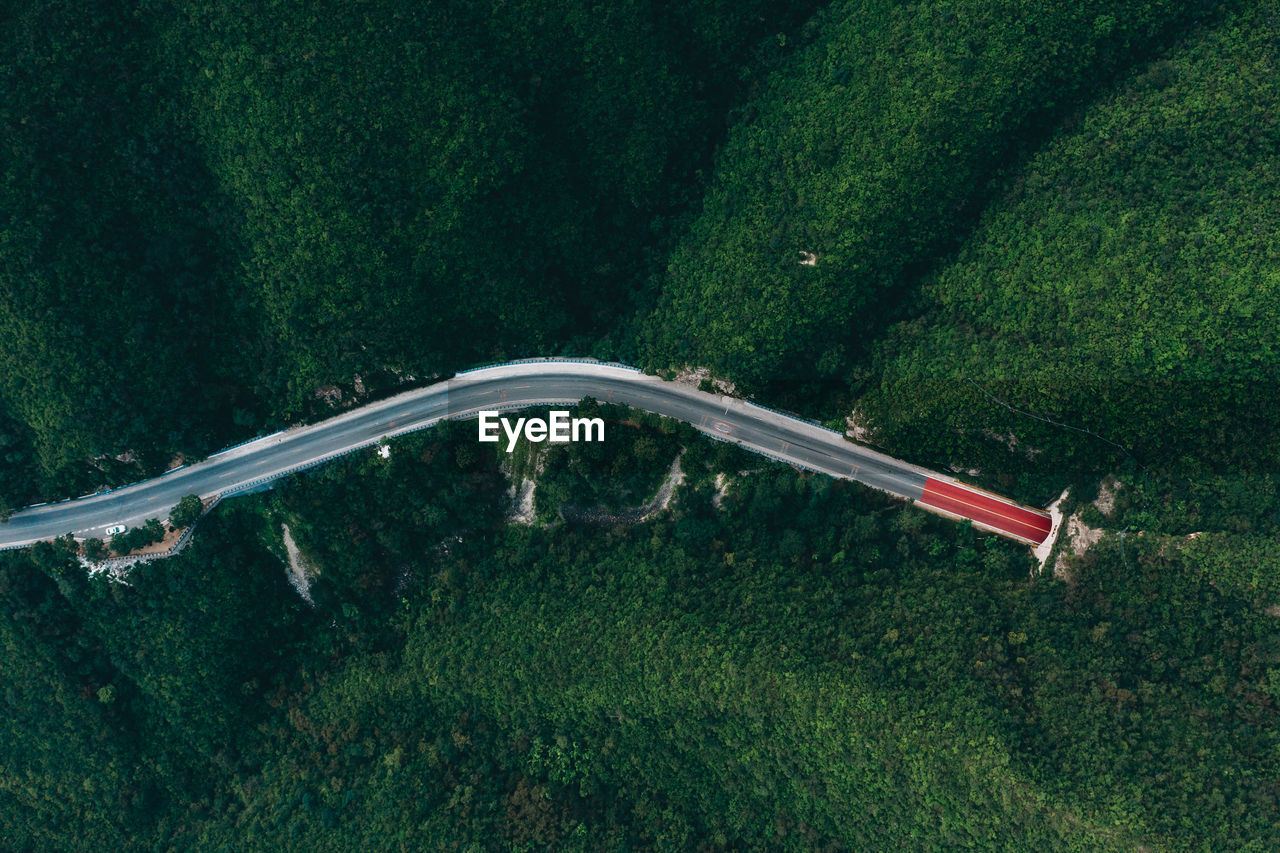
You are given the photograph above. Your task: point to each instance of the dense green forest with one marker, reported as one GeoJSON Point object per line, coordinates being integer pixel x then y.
{"type": "Point", "coordinates": [871, 151]}
{"type": "Point", "coordinates": [1033, 245]}
{"type": "Point", "coordinates": [803, 664]}
{"type": "Point", "coordinates": [1128, 283]}
{"type": "Point", "coordinates": [212, 210]}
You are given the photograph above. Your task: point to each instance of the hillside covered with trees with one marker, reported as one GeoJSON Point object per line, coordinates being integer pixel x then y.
{"type": "Point", "coordinates": [213, 211]}
{"type": "Point", "coordinates": [1032, 245]}
{"type": "Point", "coordinates": [1129, 283]}
{"type": "Point", "coordinates": [800, 664]}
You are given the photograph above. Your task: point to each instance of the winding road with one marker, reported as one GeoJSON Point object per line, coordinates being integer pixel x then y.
{"type": "Point", "coordinates": [256, 464]}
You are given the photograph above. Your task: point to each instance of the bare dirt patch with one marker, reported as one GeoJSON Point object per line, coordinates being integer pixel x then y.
{"type": "Point", "coordinates": [1106, 500]}
{"type": "Point", "coordinates": [116, 571]}
{"type": "Point", "coordinates": [634, 515]}
{"type": "Point", "coordinates": [299, 571]}
{"type": "Point", "coordinates": [695, 376]}
{"type": "Point", "coordinates": [1043, 550]}
{"type": "Point", "coordinates": [523, 477]}
{"type": "Point", "coordinates": [722, 489]}
{"type": "Point", "coordinates": [330, 394]}
{"type": "Point", "coordinates": [1012, 442]}
{"type": "Point", "coordinates": [1081, 535]}
{"type": "Point", "coordinates": [164, 546]}
{"type": "Point", "coordinates": [1080, 538]}
{"type": "Point", "coordinates": [521, 496]}
{"type": "Point", "coordinates": [856, 428]}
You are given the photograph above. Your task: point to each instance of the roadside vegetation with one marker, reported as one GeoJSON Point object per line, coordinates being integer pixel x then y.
{"type": "Point", "coordinates": [809, 664]}
{"type": "Point", "coordinates": [1128, 285]}
{"type": "Point", "coordinates": [1035, 246]}
{"type": "Point", "coordinates": [213, 212]}
{"type": "Point", "coordinates": [623, 471]}
{"type": "Point", "coordinates": [869, 155]}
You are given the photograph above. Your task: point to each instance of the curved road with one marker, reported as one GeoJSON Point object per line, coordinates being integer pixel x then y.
{"type": "Point", "coordinates": [256, 464]}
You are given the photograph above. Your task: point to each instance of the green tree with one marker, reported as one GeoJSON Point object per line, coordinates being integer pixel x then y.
{"type": "Point", "coordinates": [186, 512]}
{"type": "Point", "coordinates": [154, 530]}
{"type": "Point", "coordinates": [94, 549]}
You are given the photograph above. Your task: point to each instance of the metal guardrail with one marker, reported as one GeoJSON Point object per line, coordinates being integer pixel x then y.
{"type": "Point", "coordinates": [280, 432]}
{"type": "Point", "coordinates": [134, 559]}
{"type": "Point", "coordinates": [267, 482]}
{"type": "Point", "coordinates": [112, 489]}
{"type": "Point", "coordinates": [793, 417]}
{"type": "Point", "coordinates": [727, 440]}
{"type": "Point", "coordinates": [550, 360]}
{"type": "Point", "coordinates": [236, 446]}
{"type": "Point", "coordinates": [263, 483]}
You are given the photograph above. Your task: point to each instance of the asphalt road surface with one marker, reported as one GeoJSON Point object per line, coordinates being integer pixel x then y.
{"type": "Point", "coordinates": [256, 464]}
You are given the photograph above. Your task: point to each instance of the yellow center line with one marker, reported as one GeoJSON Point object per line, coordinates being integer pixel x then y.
{"type": "Point", "coordinates": [957, 513]}
{"type": "Point", "coordinates": [929, 492]}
